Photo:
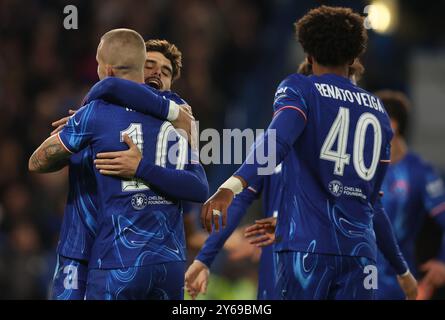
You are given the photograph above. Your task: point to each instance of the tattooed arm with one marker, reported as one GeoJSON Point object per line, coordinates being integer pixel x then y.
{"type": "Point", "coordinates": [51, 156]}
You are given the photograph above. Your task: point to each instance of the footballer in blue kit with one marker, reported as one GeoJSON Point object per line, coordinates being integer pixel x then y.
{"type": "Point", "coordinates": [333, 139]}
{"type": "Point", "coordinates": [79, 222]}
{"type": "Point", "coordinates": [78, 227]}
{"type": "Point", "coordinates": [412, 189]}
{"type": "Point", "coordinates": [144, 229]}
{"type": "Point", "coordinates": [262, 232]}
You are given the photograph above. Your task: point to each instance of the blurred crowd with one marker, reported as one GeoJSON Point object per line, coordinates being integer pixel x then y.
{"type": "Point", "coordinates": [234, 54]}
{"type": "Point", "coordinates": [45, 70]}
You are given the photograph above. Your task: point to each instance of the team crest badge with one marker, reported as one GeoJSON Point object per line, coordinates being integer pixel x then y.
{"type": "Point", "coordinates": [139, 201]}
{"type": "Point", "coordinates": [336, 188]}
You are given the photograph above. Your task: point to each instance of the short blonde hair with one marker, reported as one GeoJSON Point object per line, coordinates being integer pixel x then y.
{"type": "Point", "coordinates": [123, 49]}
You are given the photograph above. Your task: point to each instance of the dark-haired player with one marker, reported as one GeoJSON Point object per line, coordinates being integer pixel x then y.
{"type": "Point", "coordinates": [333, 139]}
{"type": "Point", "coordinates": [261, 234]}
{"type": "Point", "coordinates": [139, 241]}
{"type": "Point", "coordinates": [412, 189]}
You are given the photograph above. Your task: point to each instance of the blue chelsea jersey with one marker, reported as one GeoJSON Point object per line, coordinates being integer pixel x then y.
{"type": "Point", "coordinates": [78, 229]}
{"type": "Point", "coordinates": [334, 170]}
{"type": "Point", "coordinates": [135, 225]}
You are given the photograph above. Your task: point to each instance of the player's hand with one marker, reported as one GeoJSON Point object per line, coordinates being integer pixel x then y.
{"type": "Point", "coordinates": [186, 126]}
{"type": "Point", "coordinates": [409, 285]}
{"type": "Point", "coordinates": [120, 163]}
{"type": "Point", "coordinates": [196, 279]}
{"type": "Point", "coordinates": [262, 232]}
{"type": "Point", "coordinates": [59, 124]}
{"type": "Point", "coordinates": [216, 207]}
{"type": "Point", "coordinates": [434, 273]}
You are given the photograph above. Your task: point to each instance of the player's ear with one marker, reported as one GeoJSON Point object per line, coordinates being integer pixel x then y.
{"type": "Point", "coordinates": [109, 70]}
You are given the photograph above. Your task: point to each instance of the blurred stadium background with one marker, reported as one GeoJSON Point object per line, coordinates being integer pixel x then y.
{"type": "Point", "coordinates": [235, 52]}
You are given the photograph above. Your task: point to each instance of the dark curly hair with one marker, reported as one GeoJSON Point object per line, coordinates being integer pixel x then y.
{"type": "Point", "coordinates": [170, 51]}
{"type": "Point", "coordinates": [398, 107]}
{"type": "Point", "coordinates": [333, 36]}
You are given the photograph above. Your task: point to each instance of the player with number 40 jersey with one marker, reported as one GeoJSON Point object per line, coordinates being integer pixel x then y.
{"type": "Point", "coordinates": [333, 140]}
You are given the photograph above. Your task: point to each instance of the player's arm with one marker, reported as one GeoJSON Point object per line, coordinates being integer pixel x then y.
{"type": "Point", "coordinates": [144, 99]}
{"type": "Point", "coordinates": [385, 238]}
{"type": "Point", "coordinates": [216, 240]}
{"type": "Point", "coordinates": [288, 123]}
{"type": "Point", "coordinates": [134, 95]}
{"type": "Point", "coordinates": [138, 96]}
{"type": "Point", "coordinates": [189, 184]}
{"type": "Point", "coordinates": [50, 156]}
{"type": "Point", "coordinates": [55, 151]}
{"type": "Point", "coordinates": [196, 276]}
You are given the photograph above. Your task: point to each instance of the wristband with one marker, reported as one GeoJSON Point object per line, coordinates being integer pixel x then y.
{"type": "Point", "coordinates": [173, 111]}
{"type": "Point", "coordinates": [233, 184]}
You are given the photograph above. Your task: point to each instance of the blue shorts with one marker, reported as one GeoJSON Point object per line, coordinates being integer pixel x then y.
{"type": "Point", "coordinates": [312, 276]}
{"type": "Point", "coordinates": [70, 279]}
{"type": "Point", "coordinates": [163, 281]}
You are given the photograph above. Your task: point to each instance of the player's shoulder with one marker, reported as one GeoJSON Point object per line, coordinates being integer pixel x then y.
{"type": "Point", "coordinates": [296, 81]}
{"type": "Point", "coordinates": [101, 109]}
{"type": "Point", "coordinates": [295, 87]}
{"type": "Point", "coordinates": [88, 111]}
{"type": "Point", "coordinates": [96, 103]}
